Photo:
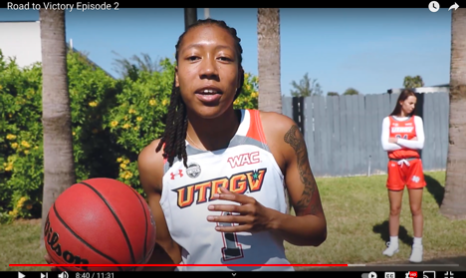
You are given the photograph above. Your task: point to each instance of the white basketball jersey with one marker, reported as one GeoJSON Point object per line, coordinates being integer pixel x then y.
{"type": "Point", "coordinates": [247, 167]}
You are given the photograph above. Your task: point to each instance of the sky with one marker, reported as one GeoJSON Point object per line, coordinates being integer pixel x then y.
{"type": "Point", "coordinates": [370, 50]}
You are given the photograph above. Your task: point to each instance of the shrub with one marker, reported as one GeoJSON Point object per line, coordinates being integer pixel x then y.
{"type": "Point", "coordinates": [21, 162]}
{"type": "Point", "coordinates": [20, 139]}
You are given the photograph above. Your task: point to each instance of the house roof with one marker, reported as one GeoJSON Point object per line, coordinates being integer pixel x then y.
{"type": "Point", "coordinates": [68, 45]}
{"type": "Point", "coordinates": [89, 60]}
{"type": "Point", "coordinates": [431, 89]}
{"type": "Point", "coordinates": [426, 89]}
{"type": "Point", "coordinates": [17, 21]}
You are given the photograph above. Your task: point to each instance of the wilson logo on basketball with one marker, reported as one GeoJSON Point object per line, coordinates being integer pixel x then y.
{"type": "Point", "coordinates": [244, 159]}
{"type": "Point", "coordinates": [52, 239]}
{"type": "Point", "coordinates": [202, 192]}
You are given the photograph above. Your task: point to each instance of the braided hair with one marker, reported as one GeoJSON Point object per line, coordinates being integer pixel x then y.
{"type": "Point", "coordinates": [174, 136]}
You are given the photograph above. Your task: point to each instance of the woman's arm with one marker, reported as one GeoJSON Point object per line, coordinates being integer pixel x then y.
{"type": "Point", "coordinates": [166, 251]}
{"type": "Point", "coordinates": [414, 144]}
{"type": "Point", "coordinates": [386, 145]}
{"type": "Point", "coordinates": [309, 226]}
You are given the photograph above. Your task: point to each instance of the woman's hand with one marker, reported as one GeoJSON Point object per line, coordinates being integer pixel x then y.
{"type": "Point", "coordinates": [253, 217]}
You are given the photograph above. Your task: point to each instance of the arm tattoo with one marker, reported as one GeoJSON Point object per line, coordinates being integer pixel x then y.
{"type": "Point", "coordinates": [309, 202]}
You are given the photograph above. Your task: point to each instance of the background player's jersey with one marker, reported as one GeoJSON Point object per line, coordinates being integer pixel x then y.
{"type": "Point", "coordinates": [405, 130]}
{"type": "Point", "coordinates": [246, 167]}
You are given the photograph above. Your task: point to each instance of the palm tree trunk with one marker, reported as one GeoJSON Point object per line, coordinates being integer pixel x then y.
{"type": "Point", "coordinates": [190, 17]}
{"type": "Point", "coordinates": [56, 115]}
{"type": "Point", "coordinates": [268, 34]}
{"type": "Point", "coordinates": [454, 204]}
{"type": "Point", "coordinates": [268, 47]}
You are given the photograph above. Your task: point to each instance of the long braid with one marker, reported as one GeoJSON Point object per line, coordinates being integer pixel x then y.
{"type": "Point", "coordinates": [174, 136]}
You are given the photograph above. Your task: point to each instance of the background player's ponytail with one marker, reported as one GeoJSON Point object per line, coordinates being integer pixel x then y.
{"type": "Point", "coordinates": [173, 138]}
{"type": "Point", "coordinates": [406, 93]}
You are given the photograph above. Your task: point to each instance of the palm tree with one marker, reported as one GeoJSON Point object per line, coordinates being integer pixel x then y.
{"type": "Point", "coordinates": [268, 34]}
{"type": "Point", "coordinates": [411, 82]}
{"type": "Point", "coordinates": [56, 115]}
{"type": "Point", "coordinates": [132, 67]}
{"type": "Point", "coordinates": [190, 17]}
{"type": "Point", "coordinates": [453, 204]}
{"type": "Point", "coordinates": [306, 87]}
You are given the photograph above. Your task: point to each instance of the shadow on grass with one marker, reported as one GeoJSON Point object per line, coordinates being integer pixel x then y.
{"type": "Point", "coordinates": [435, 189]}
{"type": "Point", "coordinates": [403, 236]}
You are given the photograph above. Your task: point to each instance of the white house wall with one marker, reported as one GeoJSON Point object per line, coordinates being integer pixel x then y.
{"type": "Point", "coordinates": [21, 40]}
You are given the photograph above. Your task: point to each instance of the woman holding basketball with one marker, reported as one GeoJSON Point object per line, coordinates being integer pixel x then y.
{"type": "Point", "coordinates": [216, 179]}
{"type": "Point", "coordinates": [402, 138]}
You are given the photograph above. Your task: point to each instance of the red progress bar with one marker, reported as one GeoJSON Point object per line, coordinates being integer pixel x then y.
{"type": "Point", "coordinates": [160, 265]}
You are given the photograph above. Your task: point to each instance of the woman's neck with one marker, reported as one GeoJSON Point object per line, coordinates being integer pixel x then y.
{"type": "Point", "coordinates": [212, 134]}
{"type": "Point", "coordinates": [402, 115]}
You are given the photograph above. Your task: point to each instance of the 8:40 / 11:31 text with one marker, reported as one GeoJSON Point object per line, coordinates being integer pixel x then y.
{"type": "Point", "coordinates": [95, 275]}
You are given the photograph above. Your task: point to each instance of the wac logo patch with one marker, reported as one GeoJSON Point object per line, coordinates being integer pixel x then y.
{"type": "Point", "coordinates": [244, 159]}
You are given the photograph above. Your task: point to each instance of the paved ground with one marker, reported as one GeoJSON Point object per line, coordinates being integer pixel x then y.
{"type": "Point", "coordinates": [438, 264]}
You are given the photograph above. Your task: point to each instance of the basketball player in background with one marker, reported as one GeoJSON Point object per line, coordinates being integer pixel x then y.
{"type": "Point", "coordinates": [216, 179]}
{"type": "Point", "coordinates": [402, 138]}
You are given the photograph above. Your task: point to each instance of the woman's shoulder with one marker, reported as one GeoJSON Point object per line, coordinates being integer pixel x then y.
{"type": "Point", "coordinates": [149, 153]}
{"type": "Point", "coordinates": [271, 116]}
{"type": "Point", "coordinates": [386, 119]}
{"type": "Point", "coordinates": [417, 119]}
{"type": "Point", "coordinates": [275, 121]}
{"type": "Point", "coordinates": [150, 165]}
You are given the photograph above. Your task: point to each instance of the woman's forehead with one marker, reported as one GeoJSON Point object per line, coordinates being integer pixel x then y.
{"type": "Point", "coordinates": [208, 35]}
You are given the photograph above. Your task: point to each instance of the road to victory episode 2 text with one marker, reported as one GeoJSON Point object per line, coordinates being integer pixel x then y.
{"type": "Point", "coordinates": [80, 6]}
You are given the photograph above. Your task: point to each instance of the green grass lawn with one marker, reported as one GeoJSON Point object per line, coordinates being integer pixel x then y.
{"type": "Point", "coordinates": [357, 217]}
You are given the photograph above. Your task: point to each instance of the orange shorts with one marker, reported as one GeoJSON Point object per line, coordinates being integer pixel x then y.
{"type": "Point", "coordinates": [405, 172]}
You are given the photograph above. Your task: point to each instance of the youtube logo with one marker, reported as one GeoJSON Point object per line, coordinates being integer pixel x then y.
{"type": "Point", "coordinates": [411, 274]}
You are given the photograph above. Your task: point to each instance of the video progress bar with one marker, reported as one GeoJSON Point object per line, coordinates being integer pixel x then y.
{"type": "Point", "coordinates": [407, 265]}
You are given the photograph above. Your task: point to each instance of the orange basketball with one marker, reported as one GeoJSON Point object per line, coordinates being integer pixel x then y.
{"type": "Point", "coordinates": [100, 221]}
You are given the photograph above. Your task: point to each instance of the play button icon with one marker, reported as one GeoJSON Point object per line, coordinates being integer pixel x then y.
{"type": "Point", "coordinates": [20, 275]}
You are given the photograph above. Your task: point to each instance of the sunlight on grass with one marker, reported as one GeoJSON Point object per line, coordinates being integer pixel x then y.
{"type": "Point", "coordinates": [357, 217]}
